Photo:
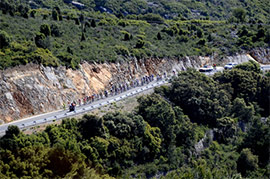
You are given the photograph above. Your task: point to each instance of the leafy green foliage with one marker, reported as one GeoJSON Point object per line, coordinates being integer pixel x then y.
{"type": "Point", "coordinates": [55, 15]}
{"type": "Point", "coordinates": [250, 66]}
{"type": "Point", "coordinates": [229, 139]}
{"type": "Point", "coordinates": [91, 126]}
{"type": "Point", "coordinates": [240, 14]}
{"type": "Point", "coordinates": [4, 39]}
{"type": "Point", "coordinates": [41, 41]}
{"type": "Point", "coordinates": [199, 97]}
{"type": "Point", "coordinates": [12, 131]}
{"type": "Point", "coordinates": [152, 141]}
{"type": "Point", "coordinates": [164, 132]}
{"type": "Point", "coordinates": [241, 111]}
{"type": "Point", "coordinates": [44, 56]}
{"type": "Point", "coordinates": [55, 31]}
{"type": "Point", "coordinates": [83, 38]}
{"type": "Point", "coordinates": [93, 36]}
{"type": "Point", "coordinates": [257, 139]}
{"type": "Point", "coordinates": [226, 129]}
{"type": "Point", "coordinates": [70, 161]}
{"type": "Point", "coordinates": [158, 113]}
{"type": "Point", "coordinates": [249, 85]}
{"type": "Point", "coordinates": [45, 29]}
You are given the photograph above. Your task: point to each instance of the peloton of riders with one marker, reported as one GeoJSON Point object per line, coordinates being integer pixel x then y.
{"type": "Point", "coordinates": [117, 89]}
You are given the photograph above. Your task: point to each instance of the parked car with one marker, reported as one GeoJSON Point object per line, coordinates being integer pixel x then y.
{"type": "Point", "coordinates": [265, 68]}
{"type": "Point", "coordinates": [229, 66]}
{"type": "Point", "coordinates": [206, 68]}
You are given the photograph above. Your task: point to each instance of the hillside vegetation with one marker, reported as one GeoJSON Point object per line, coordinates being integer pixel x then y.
{"type": "Point", "coordinates": [58, 33]}
{"type": "Point", "coordinates": [227, 114]}
{"type": "Point", "coordinates": [158, 138]}
{"type": "Point", "coordinates": [170, 9]}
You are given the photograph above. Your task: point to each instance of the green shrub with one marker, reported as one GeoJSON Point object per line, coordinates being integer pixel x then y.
{"type": "Point", "coordinates": [127, 35]}
{"type": "Point", "coordinates": [140, 43]}
{"type": "Point", "coordinates": [121, 50]}
{"type": "Point", "coordinates": [55, 30]}
{"type": "Point", "coordinates": [44, 56]}
{"type": "Point", "coordinates": [45, 29]}
{"type": "Point", "coordinates": [4, 39]}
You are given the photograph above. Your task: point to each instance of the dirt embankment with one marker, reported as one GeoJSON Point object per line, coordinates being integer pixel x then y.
{"type": "Point", "coordinates": [33, 89]}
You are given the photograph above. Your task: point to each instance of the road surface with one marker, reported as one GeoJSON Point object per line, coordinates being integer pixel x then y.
{"type": "Point", "coordinates": [61, 114]}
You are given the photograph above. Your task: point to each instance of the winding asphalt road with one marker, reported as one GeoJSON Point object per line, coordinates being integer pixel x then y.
{"type": "Point", "coordinates": [61, 114]}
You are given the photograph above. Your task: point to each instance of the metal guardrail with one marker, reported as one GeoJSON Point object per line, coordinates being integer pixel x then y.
{"type": "Point", "coordinates": [83, 110]}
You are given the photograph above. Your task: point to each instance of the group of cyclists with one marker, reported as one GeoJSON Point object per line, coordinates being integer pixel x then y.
{"type": "Point", "coordinates": [116, 89]}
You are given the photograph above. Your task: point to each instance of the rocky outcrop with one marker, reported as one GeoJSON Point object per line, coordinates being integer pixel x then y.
{"type": "Point", "coordinates": [204, 142]}
{"type": "Point", "coordinates": [261, 55]}
{"type": "Point", "coordinates": [33, 89]}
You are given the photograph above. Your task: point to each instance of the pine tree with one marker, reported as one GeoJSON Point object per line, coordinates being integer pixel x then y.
{"type": "Point", "coordinates": [55, 15]}
{"type": "Point", "coordinates": [159, 36]}
{"type": "Point", "coordinates": [93, 23]}
{"type": "Point", "coordinates": [83, 38]}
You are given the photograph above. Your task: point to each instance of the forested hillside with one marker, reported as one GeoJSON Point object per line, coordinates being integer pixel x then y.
{"type": "Point", "coordinates": [257, 10]}
{"type": "Point", "coordinates": [160, 137]}
{"type": "Point", "coordinates": [197, 127]}
{"type": "Point", "coordinates": [60, 33]}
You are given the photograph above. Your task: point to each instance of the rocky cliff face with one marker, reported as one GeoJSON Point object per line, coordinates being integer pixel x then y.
{"type": "Point", "coordinates": [261, 55]}
{"type": "Point", "coordinates": [33, 89]}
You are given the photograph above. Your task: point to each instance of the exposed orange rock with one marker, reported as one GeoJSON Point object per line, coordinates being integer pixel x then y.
{"type": "Point", "coordinates": [34, 89]}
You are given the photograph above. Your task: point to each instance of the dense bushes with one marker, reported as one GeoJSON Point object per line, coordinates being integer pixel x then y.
{"type": "Point", "coordinates": [109, 144]}
{"type": "Point", "coordinates": [155, 138]}
{"type": "Point", "coordinates": [105, 37]}
{"type": "Point", "coordinates": [246, 82]}
{"type": "Point", "coordinates": [4, 39]}
{"type": "Point", "coordinates": [199, 96]}
{"type": "Point", "coordinates": [161, 134]}
{"type": "Point", "coordinates": [238, 10]}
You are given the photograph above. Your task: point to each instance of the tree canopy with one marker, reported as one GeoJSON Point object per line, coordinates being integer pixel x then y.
{"type": "Point", "coordinates": [175, 132]}
{"type": "Point", "coordinates": [174, 30]}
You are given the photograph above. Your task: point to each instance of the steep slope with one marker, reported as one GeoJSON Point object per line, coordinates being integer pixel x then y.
{"type": "Point", "coordinates": [56, 36]}
{"type": "Point", "coordinates": [213, 9]}
{"type": "Point", "coordinates": [33, 89]}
